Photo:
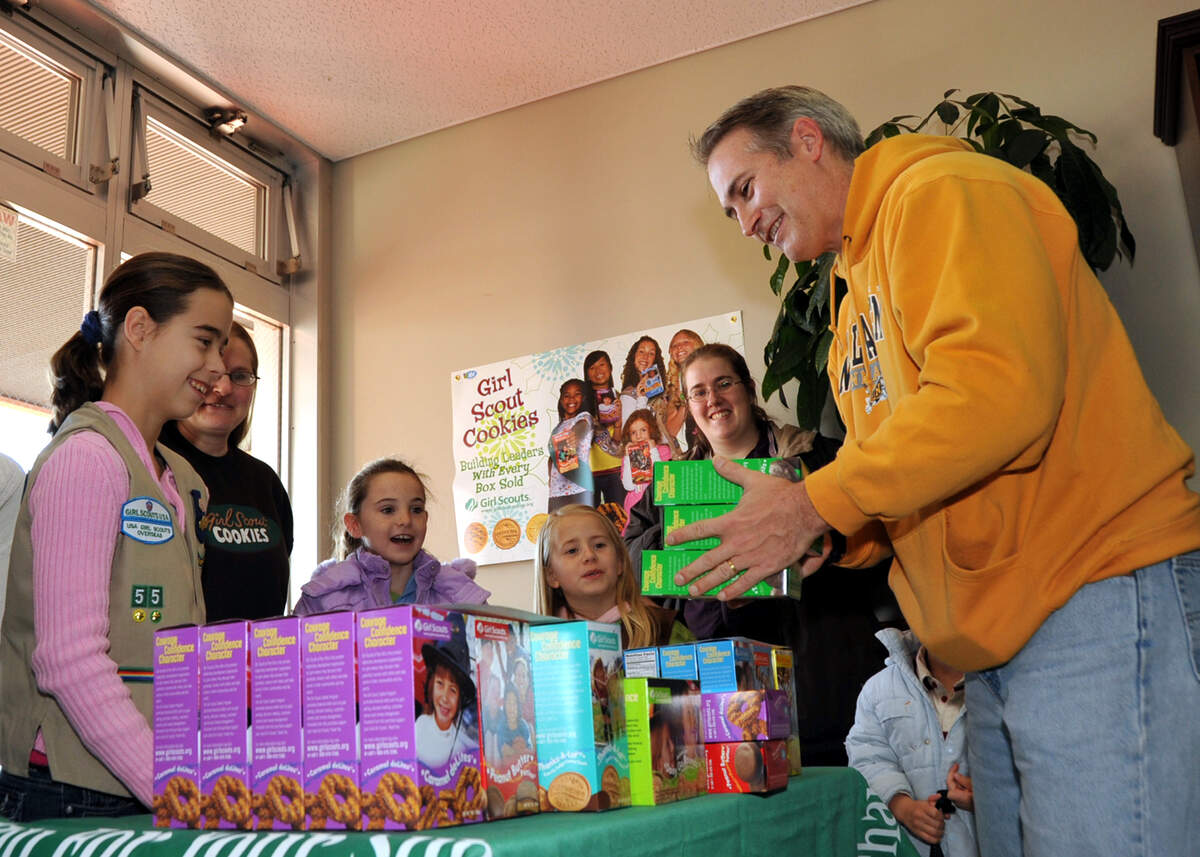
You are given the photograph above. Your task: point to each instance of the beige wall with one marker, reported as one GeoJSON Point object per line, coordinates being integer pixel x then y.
{"type": "Point", "coordinates": [562, 220]}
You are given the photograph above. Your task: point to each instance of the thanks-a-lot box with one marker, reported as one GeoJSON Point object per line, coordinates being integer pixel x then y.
{"type": "Point", "coordinates": [745, 715]}
{"type": "Point", "coordinates": [746, 766]}
{"type": "Point", "coordinates": [675, 517]}
{"type": "Point", "coordinates": [678, 661]}
{"type": "Point", "coordinates": [276, 753]}
{"type": "Point", "coordinates": [659, 568]}
{"type": "Point", "coordinates": [666, 756]}
{"type": "Point", "coordinates": [388, 777]}
{"type": "Point", "coordinates": [225, 725]}
{"type": "Point", "coordinates": [641, 663]}
{"type": "Point", "coordinates": [330, 722]}
{"type": "Point", "coordinates": [726, 665]}
{"type": "Point", "coordinates": [501, 664]}
{"type": "Point", "coordinates": [785, 680]}
{"type": "Point", "coordinates": [696, 482]}
{"type": "Point", "coordinates": [177, 727]}
{"type": "Point", "coordinates": [583, 753]}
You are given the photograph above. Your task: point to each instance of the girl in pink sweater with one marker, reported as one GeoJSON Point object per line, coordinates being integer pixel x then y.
{"type": "Point", "coordinates": [73, 652]}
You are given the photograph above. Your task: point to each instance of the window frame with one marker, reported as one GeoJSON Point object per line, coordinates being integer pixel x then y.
{"type": "Point", "coordinates": [191, 128]}
{"type": "Point", "coordinates": [90, 71]}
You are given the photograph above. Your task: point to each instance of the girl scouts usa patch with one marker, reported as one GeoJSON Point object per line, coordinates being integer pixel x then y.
{"type": "Point", "coordinates": [146, 520]}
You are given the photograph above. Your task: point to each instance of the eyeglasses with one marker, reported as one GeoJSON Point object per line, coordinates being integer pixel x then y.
{"type": "Point", "coordinates": [242, 377]}
{"type": "Point", "coordinates": [719, 387]}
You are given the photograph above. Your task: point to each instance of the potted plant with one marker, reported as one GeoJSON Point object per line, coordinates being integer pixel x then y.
{"type": "Point", "coordinates": [1003, 126]}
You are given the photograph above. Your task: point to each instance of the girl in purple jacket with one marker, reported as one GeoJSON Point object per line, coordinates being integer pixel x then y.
{"type": "Point", "coordinates": [379, 556]}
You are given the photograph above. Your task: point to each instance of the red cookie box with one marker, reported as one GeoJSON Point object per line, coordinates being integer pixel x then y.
{"type": "Point", "coordinates": [746, 766]}
{"type": "Point", "coordinates": [330, 722]}
{"type": "Point", "coordinates": [276, 751]}
{"type": "Point", "coordinates": [177, 727]}
{"type": "Point", "coordinates": [225, 726]}
{"type": "Point", "coordinates": [745, 715]}
{"type": "Point", "coordinates": [500, 658]}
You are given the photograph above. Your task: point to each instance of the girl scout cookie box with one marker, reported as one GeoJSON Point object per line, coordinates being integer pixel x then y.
{"type": "Point", "coordinates": [501, 664]}
{"type": "Point", "coordinates": [696, 482]}
{"type": "Point", "coordinates": [420, 729]}
{"type": "Point", "coordinates": [583, 755]}
{"type": "Point", "coordinates": [666, 756]}
{"type": "Point", "coordinates": [225, 725]}
{"type": "Point", "coordinates": [177, 727]}
{"type": "Point", "coordinates": [330, 767]}
{"type": "Point", "coordinates": [746, 766]}
{"type": "Point", "coordinates": [276, 752]}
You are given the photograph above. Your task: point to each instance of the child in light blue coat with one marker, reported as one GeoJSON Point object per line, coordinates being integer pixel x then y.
{"type": "Point", "coordinates": [909, 740]}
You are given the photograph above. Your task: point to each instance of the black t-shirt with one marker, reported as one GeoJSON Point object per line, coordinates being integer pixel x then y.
{"type": "Point", "coordinates": [247, 532]}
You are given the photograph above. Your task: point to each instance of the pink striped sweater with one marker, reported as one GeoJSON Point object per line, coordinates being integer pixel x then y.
{"type": "Point", "coordinates": [75, 506]}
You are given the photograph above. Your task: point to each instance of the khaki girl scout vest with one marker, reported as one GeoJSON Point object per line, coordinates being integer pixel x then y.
{"type": "Point", "coordinates": [155, 583]}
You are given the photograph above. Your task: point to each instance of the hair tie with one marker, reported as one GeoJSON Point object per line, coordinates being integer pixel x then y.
{"type": "Point", "coordinates": [92, 328]}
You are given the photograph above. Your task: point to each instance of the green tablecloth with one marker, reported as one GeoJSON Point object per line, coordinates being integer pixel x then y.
{"type": "Point", "coordinates": [825, 812]}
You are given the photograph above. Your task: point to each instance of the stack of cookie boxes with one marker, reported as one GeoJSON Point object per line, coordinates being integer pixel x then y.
{"type": "Point", "coordinates": [691, 491]}
{"type": "Point", "coordinates": [399, 718]}
{"type": "Point", "coordinates": [746, 720]}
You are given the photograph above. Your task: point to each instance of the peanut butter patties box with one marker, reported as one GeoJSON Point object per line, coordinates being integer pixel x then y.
{"type": "Point", "coordinates": [330, 722]}
{"type": "Point", "coordinates": [419, 720]}
{"type": "Point", "coordinates": [666, 755]}
{"type": "Point", "coordinates": [502, 666]}
{"type": "Point", "coordinates": [177, 727]}
{"type": "Point", "coordinates": [746, 766]}
{"type": "Point", "coordinates": [225, 725]}
{"type": "Point", "coordinates": [583, 752]}
{"type": "Point", "coordinates": [276, 770]}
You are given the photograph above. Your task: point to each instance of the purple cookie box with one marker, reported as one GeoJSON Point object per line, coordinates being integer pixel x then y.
{"type": "Point", "coordinates": [176, 708]}
{"type": "Point", "coordinates": [224, 712]}
{"type": "Point", "coordinates": [330, 718]}
{"type": "Point", "coordinates": [275, 706]}
{"type": "Point", "coordinates": [774, 710]}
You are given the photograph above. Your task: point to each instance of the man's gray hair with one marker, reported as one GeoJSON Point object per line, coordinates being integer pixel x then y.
{"type": "Point", "coordinates": [769, 115]}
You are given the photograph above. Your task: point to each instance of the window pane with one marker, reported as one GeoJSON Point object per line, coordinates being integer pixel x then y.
{"type": "Point", "coordinates": [195, 185]}
{"type": "Point", "coordinates": [25, 430]}
{"type": "Point", "coordinates": [46, 292]}
{"type": "Point", "coordinates": [38, 98]}
{"type": "Point", "coordinates": [263, 439]}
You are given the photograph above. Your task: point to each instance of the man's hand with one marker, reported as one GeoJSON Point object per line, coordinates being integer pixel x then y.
{"type": "Point", "coordinates": [773, 526]}
{"type": "Point", "coordinates": [959, 789]}
{"type": "Point", "coordinates": [921, 817]}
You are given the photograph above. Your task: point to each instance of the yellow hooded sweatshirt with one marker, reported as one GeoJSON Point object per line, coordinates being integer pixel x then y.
{"type": "Point", "coordinates": [998, 425]}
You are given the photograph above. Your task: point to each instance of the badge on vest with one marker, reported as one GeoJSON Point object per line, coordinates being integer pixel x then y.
{"type": "Point", "coordinates": [146, 520]}
{"type": "Point", "coordinates": [146, 601]}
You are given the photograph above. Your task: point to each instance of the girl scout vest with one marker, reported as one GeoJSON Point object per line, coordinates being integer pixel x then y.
{"type": "Point", "coordinates": [155, 583]}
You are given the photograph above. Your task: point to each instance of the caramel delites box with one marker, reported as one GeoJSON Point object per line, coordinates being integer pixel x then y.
{"type": "Point", "coordinates": [330, 722]}
{"type": "Point", "coordinates": [447, 728]}
{"type": "Point", "coordinates": [225, 726]}
{"type": "Point", "coordinates": [501, 662]}
{"type": "Point", "coordinates": [582, 749]}
{"type": "Point", "coordinates": [666, 756]}
{"type": "Point", "coordinates": [785, 680]}
{"type": "Point", "coordinates": [276, 753]}
{"type": "Point", "coordinates": [746, 766]}
{"type": "Point", "coordinates": [388, 780]}
{"type": "Point", "coordinates": [177, 727]}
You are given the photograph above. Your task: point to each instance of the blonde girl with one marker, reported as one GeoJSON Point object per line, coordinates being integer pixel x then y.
{"type": "Point", "coordinates": [583, 571]}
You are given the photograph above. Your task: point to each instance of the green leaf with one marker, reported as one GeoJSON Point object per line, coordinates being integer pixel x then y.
{"type": "Point", "coordinates": [821, 357]}
{"type": "Point", "coordinates": [1086, 202]}
{"type": "Point", "coordinates": [1025, 146]}
{"type": "Point", "coordinates": [948, 93]}
{"type": "Point", "coordinates": [781, 270]}
{"type": "Point", "coordinates": [947, 112]}
{"type": "Point", "coordinates": [766, 248]}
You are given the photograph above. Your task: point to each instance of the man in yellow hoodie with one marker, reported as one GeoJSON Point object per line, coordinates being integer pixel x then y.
{"type": "Point", "coordinates": [1003, 445]}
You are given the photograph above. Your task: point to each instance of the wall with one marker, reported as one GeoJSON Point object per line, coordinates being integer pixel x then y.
{"type": "Point", "coordinates": [556, 222]}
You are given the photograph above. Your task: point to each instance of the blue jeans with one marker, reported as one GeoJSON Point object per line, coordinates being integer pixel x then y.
{"type": "Point", "coordinates": [33, 798]}
{"type": "Point", "coordinates": [1088, 741]}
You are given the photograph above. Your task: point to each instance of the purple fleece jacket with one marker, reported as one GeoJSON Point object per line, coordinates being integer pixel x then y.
{"type": "Point", "coordinates": [363, 580]}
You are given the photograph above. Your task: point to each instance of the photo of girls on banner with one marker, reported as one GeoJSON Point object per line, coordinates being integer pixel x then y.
{"type": "Point", "coordinates": [579, 424]}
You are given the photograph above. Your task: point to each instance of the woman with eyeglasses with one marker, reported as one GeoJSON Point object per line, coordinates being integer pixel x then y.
{"type": "Point", "coordinates": [247, 531]}
{"type": "Point", "coordinates": [831, 629]}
